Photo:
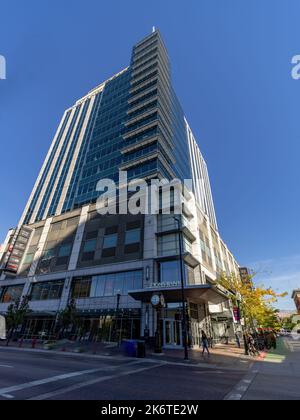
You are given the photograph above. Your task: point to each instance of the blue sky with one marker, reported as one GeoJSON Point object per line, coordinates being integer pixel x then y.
{"type": "Point", "coordinates": [231, 65]}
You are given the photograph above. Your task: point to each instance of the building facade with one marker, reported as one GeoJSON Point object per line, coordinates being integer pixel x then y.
{"type": "Point", "coordinates": [296, 298]}
{"type": "Point", "coordinates": [112, 265]}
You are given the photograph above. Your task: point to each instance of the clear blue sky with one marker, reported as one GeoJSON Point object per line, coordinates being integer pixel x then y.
{"type": "Point", "coordinates": [231, 64]}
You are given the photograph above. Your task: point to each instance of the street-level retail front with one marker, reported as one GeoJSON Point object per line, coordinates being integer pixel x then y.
{"type": "Point", "coordinates": [91, 325]}
{"type": "Point", "coordinates": [167, 320]}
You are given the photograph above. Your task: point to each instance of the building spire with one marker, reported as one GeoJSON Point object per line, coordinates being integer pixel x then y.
{"type": "Point", "coordinates": [153, 29]}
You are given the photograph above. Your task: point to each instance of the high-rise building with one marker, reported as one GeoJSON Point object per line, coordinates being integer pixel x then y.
{"type": "Point", "coordinates": [112, 265]}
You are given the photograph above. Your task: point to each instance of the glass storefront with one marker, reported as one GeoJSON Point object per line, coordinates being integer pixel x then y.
{"type": "Point", "coordinates": [109, 327]}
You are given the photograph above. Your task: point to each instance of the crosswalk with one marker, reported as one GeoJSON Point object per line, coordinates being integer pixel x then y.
{"type": "Point", "coordinates": [294, 345]}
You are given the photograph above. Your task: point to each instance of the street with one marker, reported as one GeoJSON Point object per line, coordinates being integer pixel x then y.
{"type": "Point", "coordinates": [28, 375]}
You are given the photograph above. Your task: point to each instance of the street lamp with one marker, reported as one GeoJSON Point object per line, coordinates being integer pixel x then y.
{"type": "Point", "coordinates": [118, 294]}
{"type": "Point", "coordinates": [184, 317]}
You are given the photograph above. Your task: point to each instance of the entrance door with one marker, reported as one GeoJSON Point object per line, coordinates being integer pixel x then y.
{"type": "Point", "coordinates": [172, 333]}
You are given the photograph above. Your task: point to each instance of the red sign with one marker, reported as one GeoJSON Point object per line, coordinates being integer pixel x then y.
{"type": "Point", "coordinates": [236, 314]}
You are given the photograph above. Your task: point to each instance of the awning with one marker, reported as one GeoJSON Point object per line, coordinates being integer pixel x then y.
{"type": "Point", "coordinates": [202, 293]}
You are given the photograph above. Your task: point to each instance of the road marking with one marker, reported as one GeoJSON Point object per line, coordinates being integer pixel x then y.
{"type": "Point", "coordinates": [236, 397]}
{"type": "Point", "coordinates": [242, 387]}
{"type": "Point", "coordinates": [6, 366]}
{"type": "Point", "coordinates": [5, 391]}
{"type": "Point", "coordinates": [92, 382]}
{"type": "Point", "coordinates": [9, 397]}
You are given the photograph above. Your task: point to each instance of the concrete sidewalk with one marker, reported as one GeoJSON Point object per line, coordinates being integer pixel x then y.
{"type": "Point", "coordinates": [276, 377]}
{"type": "Point", "coordinates": [222, 356]}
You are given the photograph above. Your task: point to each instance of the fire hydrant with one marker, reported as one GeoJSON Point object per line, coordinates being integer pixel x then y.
{"type": "Point", "coordinates": [33, 343]}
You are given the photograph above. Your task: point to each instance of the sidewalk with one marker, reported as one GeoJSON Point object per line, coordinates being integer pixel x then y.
{"type": "Point", "coordinates": [276, 378]}
{"type": "Point", "coordinates": [222, 356]}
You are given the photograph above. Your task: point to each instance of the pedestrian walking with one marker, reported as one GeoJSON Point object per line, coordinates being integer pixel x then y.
{"type": "Point", "coordinates": [227, 335]}
{"type": "Point", "coordinates": [238, 341]}
{"type": "Point", "coordinates": [205, 344]}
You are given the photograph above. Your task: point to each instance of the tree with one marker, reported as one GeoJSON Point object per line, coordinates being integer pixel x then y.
{"type": "Point", "coordinates": [68, 316]}
{"type": "Point", "coordinates": [16, 314]}
{"type": "Point", "coordinates": [288, 323]}
{"type": "Point", "coordinates": [255, 302]}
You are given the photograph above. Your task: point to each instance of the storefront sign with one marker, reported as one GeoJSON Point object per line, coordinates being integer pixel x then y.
{"type": "Point", "coordinates": [16, 249]}
{"type": "Point", "coordinates": [165, 285]}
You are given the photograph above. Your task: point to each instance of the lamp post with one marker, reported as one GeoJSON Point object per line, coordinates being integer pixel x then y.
{"type": "Point", "coordinates": [184, 317]}
{"type": "Point", "coordinates": [243, 328]}
{"type": "Point", "coordinates": [118, 294]}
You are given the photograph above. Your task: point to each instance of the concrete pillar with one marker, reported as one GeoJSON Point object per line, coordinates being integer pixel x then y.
{"type": "Point", "coordinates": [40, 247]}
{"type": "Point", "coordinates": [150, 241]}
{"type": "Point", "coordinates": [78, 238]}
{"type": "Point", "coordinates": [213, 258]}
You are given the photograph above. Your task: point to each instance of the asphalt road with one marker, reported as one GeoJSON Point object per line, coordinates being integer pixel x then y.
{"type": "Point", "coordinates": [40, 376]}
{"type": "Point", "coordinates": [49, 376]}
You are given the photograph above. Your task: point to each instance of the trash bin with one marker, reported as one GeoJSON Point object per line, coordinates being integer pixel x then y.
{"type": "Point", "coordinates": [129, 348]}
{"type": "Point", "coordinates": [141, 349]}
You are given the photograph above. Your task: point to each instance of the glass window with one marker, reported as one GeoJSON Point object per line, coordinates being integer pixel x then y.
{"type": "Point", "coordinates": [169, 271]}
{"type": "Point", "coordinates": [28, 259]}
{"type": "Point", "coordinates": [11, 293]}
{"type": "Point", "coordinates": [109, 286]}
{"type": "Point", "coordinates": [51, 290]}
{"type": "Point", "coordinates": [133, 236]}
{"type": "Point", "coordinates": [98, 286]}
{"type": "Point", "coordinates": [65, 250]}
{"type": "Point", "coordinates": [138, 280]}
{"type": "Point", "coordinates": [119, 284]}
{"type": "Point", "coordinates": [110, 241]}
{"type": "Point", "coordinates": [90, 246]}
{"type": "Point", "coordinates": [82, 287]}
{"type": "Point", "coordinates": [56, 290]}
{"type": "Point", "coordinates": [128, 281]}
{"type": "Point", "coordinates": [48, 254]}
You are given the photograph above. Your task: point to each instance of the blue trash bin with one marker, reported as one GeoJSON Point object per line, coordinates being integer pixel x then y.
{"type": "Point", "coordinates": [129, 348]}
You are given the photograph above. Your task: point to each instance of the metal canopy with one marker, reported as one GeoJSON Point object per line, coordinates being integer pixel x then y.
{"type": "Point", "coordinates": [204, 293]}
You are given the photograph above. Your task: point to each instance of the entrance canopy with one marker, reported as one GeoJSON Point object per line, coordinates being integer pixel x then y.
{"type": "Point", "coordinates": [202, 293]}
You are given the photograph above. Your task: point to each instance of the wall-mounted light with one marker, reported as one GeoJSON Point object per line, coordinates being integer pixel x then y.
{"type": "Point", "coordinates": [147, 273]}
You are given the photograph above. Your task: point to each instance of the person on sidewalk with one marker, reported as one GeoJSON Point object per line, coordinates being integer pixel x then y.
{"type": "Point", "coordinates": [238, 341]}
{"type": "Point", "coordinates": [227, 336]}
{"type": "Point", "coordinates": [205, 344]}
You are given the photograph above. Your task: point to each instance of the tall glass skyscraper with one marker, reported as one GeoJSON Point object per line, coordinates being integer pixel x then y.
{"type": "Point", "coordinates": [132, 122]}
{"type": "Point", "coordinates": [63, 249]}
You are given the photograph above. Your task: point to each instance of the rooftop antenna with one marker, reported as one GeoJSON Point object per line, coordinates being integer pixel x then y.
{"type": "Point", "coordinates": [153, 29]}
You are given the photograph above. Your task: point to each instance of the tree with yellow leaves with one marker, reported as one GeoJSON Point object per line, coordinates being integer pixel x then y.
{"type": "Point", "coordinates": [255, 302]}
